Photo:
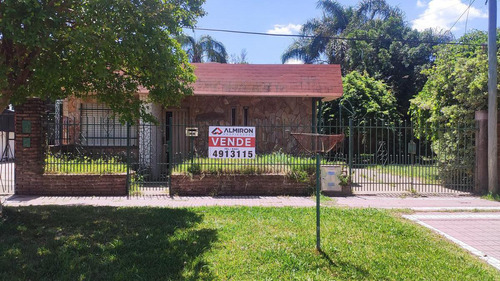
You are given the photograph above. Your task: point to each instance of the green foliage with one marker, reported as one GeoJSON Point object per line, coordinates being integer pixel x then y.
{"type": "Point", "coordinates": [194, 169]}
{"type": "Point", "coordinates": [344, 179]}
{"type": "Point", "coordinates": [457, 86]}
{"type": "Point", "coordinates": [294, 167]}
{"type": "Point", "coordinates": [99, 48]}
{"type": "Point", "coordinates": [492, 197]}
{"type": "Point", "coordinates": [205, 49]}
{"type": "Point", "coordinates": [364, 98]}
{"type": "Point", "coordinates": [395, 57]}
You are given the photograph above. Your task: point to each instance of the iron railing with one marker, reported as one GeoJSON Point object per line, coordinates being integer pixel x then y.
{"type": "Point", "coordinates": [380, 156]}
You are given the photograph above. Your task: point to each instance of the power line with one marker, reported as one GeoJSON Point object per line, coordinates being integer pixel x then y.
{"type": "Point", "coordinates": [449, 30]}
{"type": "Point", "coordinates": [334, 37]}
{"type": "Point", "coordinates": [467, 18]}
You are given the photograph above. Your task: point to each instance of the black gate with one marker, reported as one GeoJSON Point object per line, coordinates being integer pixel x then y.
{"type": "Point", "coordinates": [7, 158]}
{"type": "Point", "coordinates": [396, 157]}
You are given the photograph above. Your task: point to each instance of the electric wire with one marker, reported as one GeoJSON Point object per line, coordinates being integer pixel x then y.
{"type": "Point", "coordinates": [366, 39]}
{"type": "Point", "coordinates": [449, 30]}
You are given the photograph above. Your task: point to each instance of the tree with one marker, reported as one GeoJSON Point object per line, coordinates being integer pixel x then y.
{"type": "Point", "coordinates": [443, 112]}
{"type": "Point", "coordinates": [104, 49]}
{"type": "Point", "coordinates": [337, 21]}
{"type": "Point", "coordinates": [456, 87]}
{"type": "Point", "coordinates": [205, 49]}
{"type": "Point", "coordinates": [364, 98]}
{"type": "Point", "coordinates": [396, 56]}
{"type": "Point", "coordinates": [239, 59]}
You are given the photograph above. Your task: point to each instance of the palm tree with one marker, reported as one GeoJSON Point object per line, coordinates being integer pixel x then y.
{"type": "Point", "coordinates": [205, 49]}
{"type": "Point", "coordinates": [336, 21]}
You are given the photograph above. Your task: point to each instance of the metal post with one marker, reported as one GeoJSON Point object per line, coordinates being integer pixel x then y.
{"type": "Point", "coordinates": [170, 164]}
{"type": "Point", "coordinates": [128, 158]}
{"type": "Point", "coordinates": [318, 176]}
{"type": "Point", "coordinates": [314, 114]}
{"type": "Point", "coordinates": [320, 116]}
{"type": "Point", "coordinates": [351, 144]}
{"type": "Point", "coordinates": [492, 99]}
{"type": "Point", "coordinates": [318, 187]}
{"type": "Point", "coordinates": [191, 144]}
{"type": "Point", "coordinates": [481, 169]}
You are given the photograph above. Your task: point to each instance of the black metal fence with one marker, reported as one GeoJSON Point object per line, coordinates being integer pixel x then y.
{"type": "Point", "coordinates": [389, 157]}
{"type": "Point", "coordinates": [379, 156]}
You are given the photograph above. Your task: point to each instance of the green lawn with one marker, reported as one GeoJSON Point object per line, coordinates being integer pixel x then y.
{"type": "Point", "coordinates": [62, 164]}
{"type": "Point", "coordinates": [224, 243]}
{"type": "Point", "coordinates": [275, 163]}
{"type": "Point", "coordinates": [425, 174]}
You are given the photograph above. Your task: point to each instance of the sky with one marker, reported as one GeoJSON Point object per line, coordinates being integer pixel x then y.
{"type": "Point", "coordinates": [287, 16]}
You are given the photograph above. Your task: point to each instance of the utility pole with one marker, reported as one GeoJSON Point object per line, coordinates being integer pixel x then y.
{"type": "Point", "coordinates": [492, 98]}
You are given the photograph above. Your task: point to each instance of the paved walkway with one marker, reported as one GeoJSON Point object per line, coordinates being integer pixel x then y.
{"type": "Point", "coordinates": [479, 233]}
{"type": "Point", "coordinates": [417, 204]}
{"type": "Point", "coordinates": [449, 203]}
{"type": "Point", "coordinates": [160, 201]}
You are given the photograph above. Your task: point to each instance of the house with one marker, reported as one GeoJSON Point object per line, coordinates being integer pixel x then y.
{"type": "Point", "coordinates": [225, 95]}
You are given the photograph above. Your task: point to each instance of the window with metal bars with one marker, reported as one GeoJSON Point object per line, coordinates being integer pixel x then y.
{"type": "Point", "coordinates": [100, 127]}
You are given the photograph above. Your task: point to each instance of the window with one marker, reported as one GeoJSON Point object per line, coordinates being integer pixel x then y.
{"type": "Point", "coordinates": [233, 116]}
{"type": "Point", "coordinates": [99, 127]}
{"type": "Point", "coordinates": [245, 116]}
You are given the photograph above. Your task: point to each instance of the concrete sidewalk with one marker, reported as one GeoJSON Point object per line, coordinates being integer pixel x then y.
{"type": "Point", "coordinates": [159, 201]}
{"type": "Point", "coordinates": [431, 203]}
{"type": "Point", "coordinates": [417, 204]}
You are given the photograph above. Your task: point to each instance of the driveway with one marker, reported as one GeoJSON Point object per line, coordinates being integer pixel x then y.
{"type": "Point", "coordinates": [478, 233]}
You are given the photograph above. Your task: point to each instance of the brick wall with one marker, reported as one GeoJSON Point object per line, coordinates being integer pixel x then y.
{"type": "Point", "coordinates": [30, 179]}
{"type": "Point", "coordinates": [238, 185]}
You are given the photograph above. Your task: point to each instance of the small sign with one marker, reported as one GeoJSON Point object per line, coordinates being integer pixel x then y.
{"type": "Point", "coordinates": [26, 127]}
{"type": "Point", "coordinates": [26, 142]}
{"type": "Point", "coordinates": [192, 132]}
{"type": "Point", "coordinates": [412, 147]}
{"type": "Point", "coordinates": [231, 142]}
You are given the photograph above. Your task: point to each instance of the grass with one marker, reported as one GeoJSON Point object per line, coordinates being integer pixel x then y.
{"type": "Point", "coordinates": [275, 163]}
{"type": "Point", "coordinates": [491, 197]}
{"type": "Point", "coordinates": [61, 164]}
{"type": "Point", "coordinates": [224, 243]}
{"type": "Point", "coordinates": [425, 174]}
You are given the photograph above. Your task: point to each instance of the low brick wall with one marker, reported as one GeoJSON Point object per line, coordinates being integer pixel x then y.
{"type": "Point", "coordinates": [73, 185]}
{"type": "Point", "coordinates": [237, 185]}
{"type": "Point", "coordinates": [30, 156]}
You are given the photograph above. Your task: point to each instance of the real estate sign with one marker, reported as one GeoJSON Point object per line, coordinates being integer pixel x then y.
{"type": "Point", "coordinates": [231, 142]}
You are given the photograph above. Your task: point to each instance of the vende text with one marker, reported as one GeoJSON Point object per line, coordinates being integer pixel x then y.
{"type": "Point", "coordinates": [232, 141]}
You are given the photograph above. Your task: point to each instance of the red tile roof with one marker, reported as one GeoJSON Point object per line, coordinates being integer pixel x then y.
{"type": "Point", "coordinates": [276, 80]}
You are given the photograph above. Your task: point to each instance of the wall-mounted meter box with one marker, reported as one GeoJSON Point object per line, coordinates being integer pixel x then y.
{"type": "Point", "coordinates": [330, 178]}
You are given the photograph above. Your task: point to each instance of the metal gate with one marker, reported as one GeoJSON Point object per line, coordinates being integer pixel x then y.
{"type": "Point", "coordinates": [158, 147]}
{"type": "Point", "coordinates": [7, 158]}
{"type": "Point", "coordinates": [400, 158]}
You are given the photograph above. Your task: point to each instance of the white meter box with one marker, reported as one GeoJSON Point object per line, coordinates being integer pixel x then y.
{"type": "Point", "coordinates": [330, 178]}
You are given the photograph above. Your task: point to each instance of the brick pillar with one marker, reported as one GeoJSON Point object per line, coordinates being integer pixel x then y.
{"type": "Point", "coordinates": [30, 146]}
